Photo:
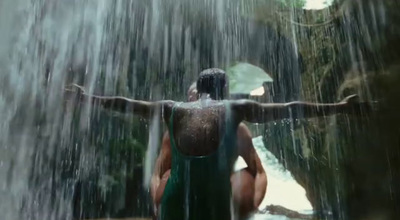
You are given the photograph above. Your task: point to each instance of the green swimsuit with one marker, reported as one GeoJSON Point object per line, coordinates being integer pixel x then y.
{"type": "Point", "coordinates": [199, 186]}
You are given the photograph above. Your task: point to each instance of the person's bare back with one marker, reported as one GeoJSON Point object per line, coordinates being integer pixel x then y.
{"type": "Point", "coordinates": [248, 184]}
{"type": "Point", "coordinates": [198, 129]}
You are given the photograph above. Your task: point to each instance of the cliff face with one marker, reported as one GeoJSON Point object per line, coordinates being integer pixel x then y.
{"type": "Point", "coordinates": [348, 165]}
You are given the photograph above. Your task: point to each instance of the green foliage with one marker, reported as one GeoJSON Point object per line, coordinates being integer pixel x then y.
{"type": "Point", "coordinates": [245, 77]}
{"type": "Point", "coordinates": [293, 3]}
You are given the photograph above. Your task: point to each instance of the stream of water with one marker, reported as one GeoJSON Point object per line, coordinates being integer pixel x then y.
{"type": "Point", "coordinates": [141, 49]}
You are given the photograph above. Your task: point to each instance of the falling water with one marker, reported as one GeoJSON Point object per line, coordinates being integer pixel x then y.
{"type": "Point", "coordinates": [60, 160]}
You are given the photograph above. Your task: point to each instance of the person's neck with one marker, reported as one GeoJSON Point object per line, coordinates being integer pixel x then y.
{"type": "Point", "coordinates": [208, 96]}
{"type": "Point", "coordinates": [205, 99]}
{"type": "Point", "coordinates": [204, 96]}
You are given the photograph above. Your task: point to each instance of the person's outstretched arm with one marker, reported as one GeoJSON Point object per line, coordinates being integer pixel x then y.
{"type": "Point", "coordinates": [256, 112]}
{"type": "Point", "coordinates": [121, 104]}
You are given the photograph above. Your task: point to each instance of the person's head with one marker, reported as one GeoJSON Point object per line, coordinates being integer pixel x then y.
{"type": "Point", "coordinates": [192, 93]}
{"type": "Point", "coordinates": [213, 82]}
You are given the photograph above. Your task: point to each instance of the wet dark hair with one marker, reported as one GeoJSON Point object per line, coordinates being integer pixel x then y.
{"type": "Point", "coordinates": [212, 82]}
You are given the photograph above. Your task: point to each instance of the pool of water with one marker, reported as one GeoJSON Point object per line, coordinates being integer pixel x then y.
{"type": "Point", "coordinates": [282, 190]}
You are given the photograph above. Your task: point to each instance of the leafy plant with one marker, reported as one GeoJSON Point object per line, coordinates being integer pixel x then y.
{"type": "Point", "coordinates": [293, 3]}
{"type": "Point", "coordinates": [245, 77]}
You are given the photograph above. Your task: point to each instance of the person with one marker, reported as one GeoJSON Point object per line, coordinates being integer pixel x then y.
{"type": "Point", "coordinates": [249, 185]}
{"type": "Point", "coordinates": [204, 135]}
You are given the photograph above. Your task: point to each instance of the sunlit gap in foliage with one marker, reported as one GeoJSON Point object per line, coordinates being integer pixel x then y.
{"type": "Point", "coordinates": [317, 4]}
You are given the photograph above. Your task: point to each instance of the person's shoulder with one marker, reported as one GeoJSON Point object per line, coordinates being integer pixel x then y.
{"type": "Point", "coordinates": [241, 104]}
{"type": "Point", "coordinates": [168, 103]}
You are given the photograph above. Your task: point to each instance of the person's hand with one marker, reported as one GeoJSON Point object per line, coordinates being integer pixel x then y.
{"type": "Point", "coordinates": [349, 100]}
{"type": "Point", "coordinates": [75, 88]}
{"type": "Point", "coordinates": [74, 92]}
{"type": "Point", "coordinates": [354, 106]}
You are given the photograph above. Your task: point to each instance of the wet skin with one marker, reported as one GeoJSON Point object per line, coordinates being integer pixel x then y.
{"type": "Point", "coordinates": [248, 185]}
{"type": "Point", "coordinates": [198, 126]}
